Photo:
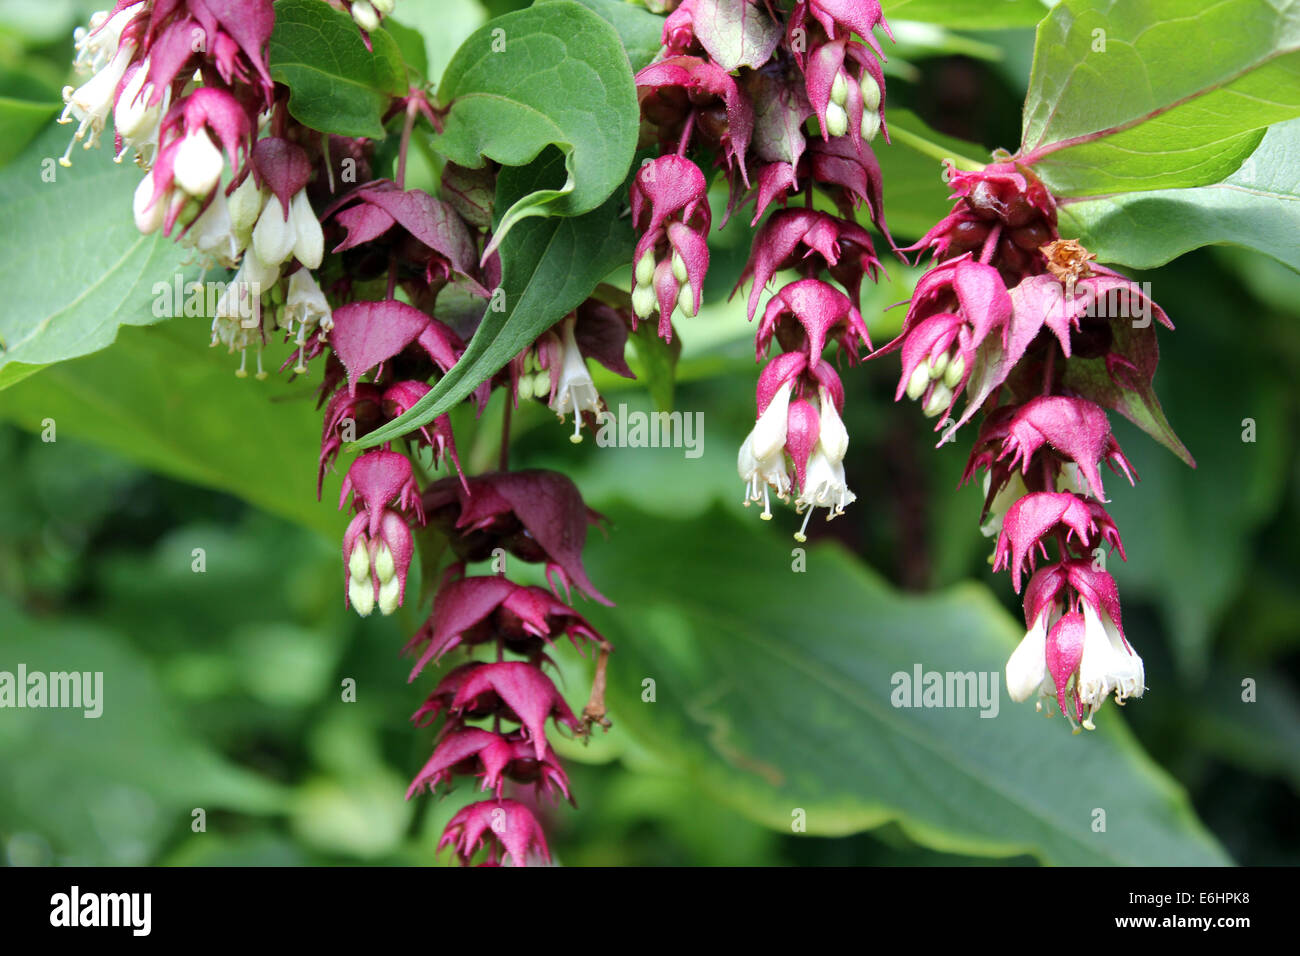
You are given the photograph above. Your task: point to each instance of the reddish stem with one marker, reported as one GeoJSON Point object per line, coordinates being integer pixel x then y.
{"type": "Point", "coordinates": [686, 134]}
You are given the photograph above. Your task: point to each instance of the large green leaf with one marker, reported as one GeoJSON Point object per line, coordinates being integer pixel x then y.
{"type": "Point", "coordinates": [638, 28]}
{"type": "Point", "coordinates": [968, 14]}
{"type": "Point", "coordinates": [552, 75]}
{"type": "Point", "coordinates": [549, 266]}
{"type": "Point", "coordinates": [1258, 207]}
{"type": "Point", "coordinates": [165, 400]}
{"type": "Point", "coordinates": [335, 84]}
{"type": "Point", "coordinates": [74, 268]}
{"type": "Point", "coordinates": [773, 692]}
{"type": "Point", "coordinates": [1157, 94]}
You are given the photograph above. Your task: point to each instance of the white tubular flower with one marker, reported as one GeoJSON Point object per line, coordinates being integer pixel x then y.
{"type": "Point", "coordinates": [309, 240]}
{"type": "Point", "coordinates": [1027, 666]}
{"type": "Point", "coordinates": [135, 121]}
{"type": "Point", "coordinates": [833, 436]}
{"type": "Point", "coordinates": [305, 306]}
{"type": "Point", "coordinates": [761, 462]}
{"type": "Point", "coordinates": [1108, 664]}
{"type": "Point", "coordinates": [576, 392]}
{"type": "Point", "coordinates": [273, 235]}
{"type": "Point", "coordinates": [95, 46]}
{"type": "Point", "coordinates": [825, 487]}
{"type": "Point", "coordinates": [198, 163]}
{"type": "Point", "coordinates": [90, 103]}
{"type": "Point", "coordinates": [148, 218]}
{"type": "Point", "coordinates": [211, 234]}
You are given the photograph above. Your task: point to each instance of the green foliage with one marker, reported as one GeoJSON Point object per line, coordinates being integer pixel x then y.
{"type": "Point", "coordinates": [336, 85]}
{"type": "Point", "coordinates": [70, 285]}
{"type": "Point", "coordinates": [1257, 207]}
{"type": "Point", "coordinates": [1154, 95]}
{"type": "Point", "coordinates": [968, 14]}
{"type": "Point", "coordinates": [552, 75]}
{"type": "Point", "coordinates": [773, 707]}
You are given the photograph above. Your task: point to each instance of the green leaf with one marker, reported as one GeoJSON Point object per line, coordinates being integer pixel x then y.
{"type": "Point", "coordinates": [1157, 94]}
{"type": "Point", "coordinates": [638, 28]}
{"type": "Point", "coordinates": [20, 121]}
{"type": "Point", "coordinates": [773, 706]}
{"type": "Point", "coordinates": [549, 267]}
{"type": "Point", "coordinates": [162, 398]}
{"type": "Point", "coordinates": [1257, 207]}
{"type": "Point", "coordinates": [554, 74]}
{"type": "Point", "coordinates": [109, 789]}
{"type": "Point", "coordinates": [82, 270]}
{"type": "Point", "coordinates": [335, 84]}
{"type": "Point", "coordinates": [916, 197]}
{"type": "Point", "coordinates": [968, 14]}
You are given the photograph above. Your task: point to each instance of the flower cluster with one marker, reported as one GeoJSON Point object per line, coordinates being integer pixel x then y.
{"type": "Point", "coordinates": [192, 100]}
{"type": "Point", "coordinates": [1041, 340]}
{"type": "Point", "coordinates": [787, 105]}
{"type": "Point", "coordinates": [496, 711]}
{"type": "Point", "coordinates": [355, 289]}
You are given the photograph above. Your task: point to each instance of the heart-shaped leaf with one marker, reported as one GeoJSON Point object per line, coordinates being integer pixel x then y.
{"type": "Point", "coordinates": [551, 75]}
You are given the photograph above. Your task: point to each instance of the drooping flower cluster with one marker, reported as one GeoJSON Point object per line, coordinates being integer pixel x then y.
{"type": "Point", "coordinates": [192, 99]}
{"type": "Point", "coordinates": [231, 174]}
{"type": "Point", "coordinates": [787, 103]}
{"type": "Point", "coordinates": [496, 711]}
{"type": "Point", "coordinates": [1038, 338]}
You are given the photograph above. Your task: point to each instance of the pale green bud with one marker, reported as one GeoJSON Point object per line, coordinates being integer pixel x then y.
{"type": "Point", "coordinates": [839, 89]}
{"type": "Point", "coordinates": [938, 364]}
{"type": "Point", "coordinates": [938, 402]}
{"type": "Point", "coordinates": [384, 566]}
{"type": "Point", "coordinates": [679, 267]}
{"type": "Point", "coordinates": [390, 596]}
{"type": "Point", "coordinates": [837, 121]}
{"type": "Point", "coordinates": [645, 268]}
{"type": "Point", "coordinates": [956, 369]}
{"type": "Point", "coordinates": [362, 596]}
{"type": "Point", "coordinates": [385, 7]}
{"type": "Point", "coordinates": [919, 382]}
{"type": "Point", "coordinates": [245, 205]}
{"type": "Point", "coordinates": [359, 561]}
{"type": "Point", "coordinates": [870, 125]}
{"type": "Point", "coordinates": [870, 94]}
{"type": "Point", "coordinates": [686, 300]}
{"type": "Point", "coordinates": [644, 302]}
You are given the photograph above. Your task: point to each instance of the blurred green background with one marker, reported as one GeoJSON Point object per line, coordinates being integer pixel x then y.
{"type": "Point", "coordinates": [223, 688]}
